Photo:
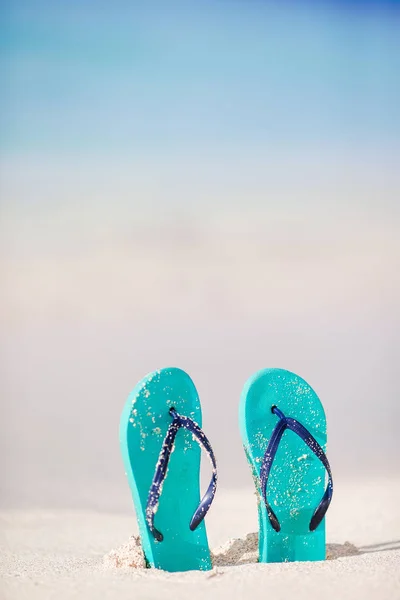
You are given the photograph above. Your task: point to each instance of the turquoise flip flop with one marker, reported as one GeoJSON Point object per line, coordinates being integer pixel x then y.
{"type": "Point", "coordinates": [283, 427]}
{"type": "Point", "coordinates": [163, 416]}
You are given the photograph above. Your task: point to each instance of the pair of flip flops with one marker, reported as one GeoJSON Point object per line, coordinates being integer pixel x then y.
{"type": "Point", "coordinates": [283, 428]}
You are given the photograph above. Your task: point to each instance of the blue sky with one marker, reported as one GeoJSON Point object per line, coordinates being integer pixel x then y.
{"type": "Point", "coordinates": [223, 109]}
{"type": "Point", "coordinates": [153, 77]}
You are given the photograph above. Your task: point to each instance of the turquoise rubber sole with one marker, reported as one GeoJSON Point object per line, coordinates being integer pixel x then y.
{"type": "Point", "coordinates": [144, 423]}
{"type": "Point", "coordinates": [297, 479]}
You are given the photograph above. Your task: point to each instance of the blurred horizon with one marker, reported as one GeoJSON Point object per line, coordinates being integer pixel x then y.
{"type": "Point", "coordinates": [207, 185]}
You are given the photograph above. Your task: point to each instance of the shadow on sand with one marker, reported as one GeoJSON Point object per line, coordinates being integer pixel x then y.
{"type": "Point", "coordinates": [245, 551]}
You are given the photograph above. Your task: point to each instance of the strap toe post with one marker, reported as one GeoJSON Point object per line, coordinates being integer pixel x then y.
{"type": "Point", "coordinates": [179, 421]}
{"type": "Point", "coordinates": [276, 436]}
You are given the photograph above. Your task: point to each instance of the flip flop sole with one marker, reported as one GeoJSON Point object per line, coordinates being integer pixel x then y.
{"type": "Point", "coordinates": [144, 424]}
{"type": "Point", "coordinates": [297, 480]}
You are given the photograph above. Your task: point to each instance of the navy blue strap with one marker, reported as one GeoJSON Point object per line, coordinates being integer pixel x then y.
{"type": "Point", "coordinates": [273, 444]}
{"type": "Point", "coordinates": [161, 471]}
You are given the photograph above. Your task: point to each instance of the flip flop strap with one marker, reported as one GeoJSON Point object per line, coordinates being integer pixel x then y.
{"type": "Point", "coordinates": [161, 472]}
{"type": "Point", "coordinates": [273, 444]}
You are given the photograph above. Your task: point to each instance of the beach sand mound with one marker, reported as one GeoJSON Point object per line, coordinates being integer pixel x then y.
{"type": "Point", "coordinates": [236, 551]}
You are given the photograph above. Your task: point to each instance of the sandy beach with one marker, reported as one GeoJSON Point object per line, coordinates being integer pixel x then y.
{"type": "Point", "coordinates": [76, 554]}
{"type": "Point", "coordinates": [211, 186]}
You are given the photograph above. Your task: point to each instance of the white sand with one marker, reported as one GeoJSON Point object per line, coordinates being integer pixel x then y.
{"type": "Point", "coordinates": [64, 554]}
